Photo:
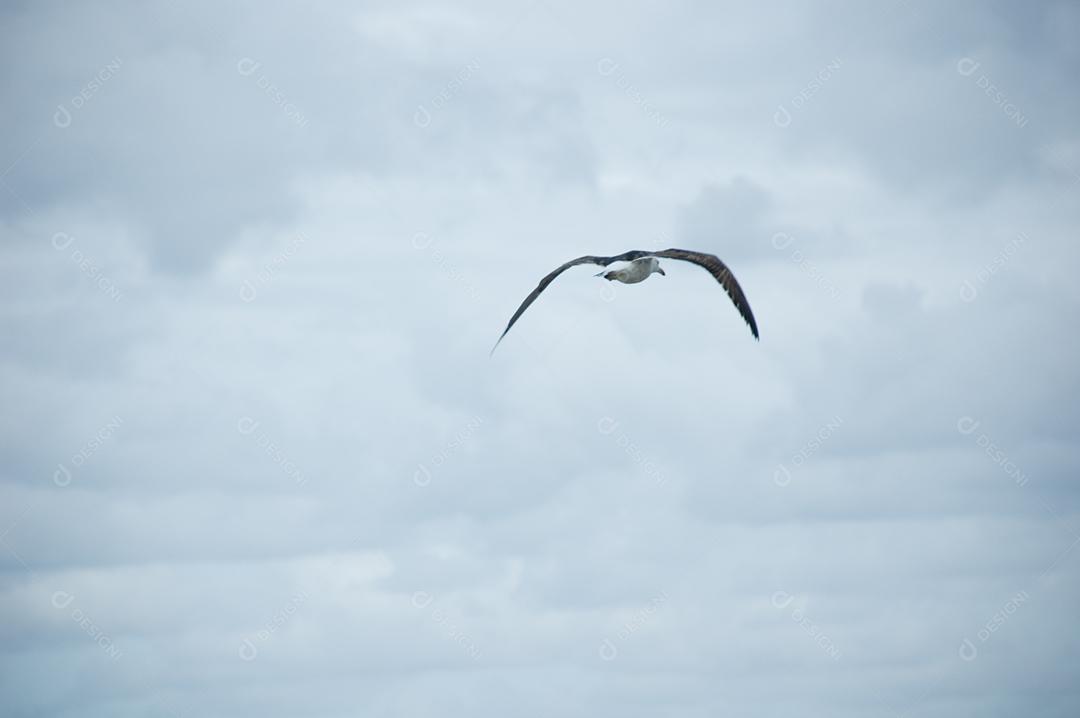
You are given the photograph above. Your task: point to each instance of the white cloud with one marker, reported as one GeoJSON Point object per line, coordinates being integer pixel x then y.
{"type": "Point", "coordinates": [307, 309]}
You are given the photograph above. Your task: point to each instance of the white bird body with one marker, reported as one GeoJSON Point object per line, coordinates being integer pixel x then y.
{"type": "Point", "coordinates": [637, 271]}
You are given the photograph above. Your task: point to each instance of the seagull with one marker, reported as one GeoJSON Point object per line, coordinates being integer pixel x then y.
{"type": "Point", "coordinates": [642, 266]}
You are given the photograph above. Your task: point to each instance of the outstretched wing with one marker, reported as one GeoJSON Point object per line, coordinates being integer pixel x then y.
{"type": "Point", "coordinates": [719, 270]}
{"type": "Point", "coordinates": [588, 259]}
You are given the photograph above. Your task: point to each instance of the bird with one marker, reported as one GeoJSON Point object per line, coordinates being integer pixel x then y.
{"type": "Point", "coordinates": [644, 264]}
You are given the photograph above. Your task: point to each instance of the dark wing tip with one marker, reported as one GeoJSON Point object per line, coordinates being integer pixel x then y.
{"type": "Point", "coordinates": [587, 259]}
{"type": "Point", "coordinates": [720, 271]}
{"type": "Point", "coordinates": [747, 315]}
{"type": "Point", "coordinates": [497, 341]}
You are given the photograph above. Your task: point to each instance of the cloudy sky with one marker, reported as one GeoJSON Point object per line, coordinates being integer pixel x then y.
{"type": "Point", "coordinates": [255, 460]}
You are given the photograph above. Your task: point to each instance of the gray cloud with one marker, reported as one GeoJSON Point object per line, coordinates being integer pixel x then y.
{"type": "Point", "coordinates": [256, 460]}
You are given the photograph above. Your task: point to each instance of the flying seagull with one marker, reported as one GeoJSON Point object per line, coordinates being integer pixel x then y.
{"type": "Point", "coordinates": [642, 265]}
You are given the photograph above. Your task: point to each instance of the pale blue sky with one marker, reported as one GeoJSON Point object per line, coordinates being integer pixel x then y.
{"type": "Point", "coordinates": [255, 460]}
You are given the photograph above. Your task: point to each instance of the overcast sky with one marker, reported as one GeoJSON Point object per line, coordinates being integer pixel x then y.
{"type": "Point", "coordinates": [255, 459]}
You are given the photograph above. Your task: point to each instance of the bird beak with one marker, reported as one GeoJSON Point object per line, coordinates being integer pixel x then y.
{"type": "Point", "coordinates": [661, 271]}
